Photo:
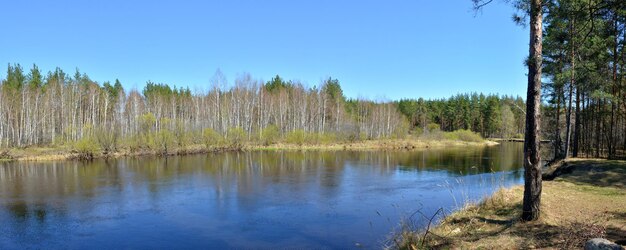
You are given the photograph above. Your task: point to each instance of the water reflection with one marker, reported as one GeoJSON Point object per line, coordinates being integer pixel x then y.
{"type": "Point", "coordinates": [241, 199]}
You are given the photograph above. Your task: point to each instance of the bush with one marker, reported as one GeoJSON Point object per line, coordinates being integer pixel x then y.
{"type": "Point", "coordinates": [431, 127]}
{"type": "Point", "coordinates": [463, 135]}
{"type": "Point", "coordinates": [417, 131]}
{"type": "Point", "coordinates": [182, 137]}
{"type": "Point", "coordinates": [351, 136]}
{"type": "Point", "coordinates": [401, 130]}
{"type": "Point", "coordinates": [148, 140]}
{"type": "Point", "coordinates": [147, 122]}
{"type": "Point", "coordinates": [5, 154]}
{"type": "Point", "coordinates": [297, 136]}
{"type": "Point", "coordinates": [211, 138]}
{"type": "Point", "coordinates": [433, 135]}
{"type": "Point", "coordinates": [236, 137]}
{"type": "Point", "coordinates": [86, 148]}
{"type": "Point", "coordinates": [108, 140]}
{"type": "Point", "coordinates": [326, 138]}
{"type": "Point", "coordinates": [164, 140]}
{"type": "Point", "coordinates": [270, 135]}
{"type": "Point", "coordinates": [134, 143]}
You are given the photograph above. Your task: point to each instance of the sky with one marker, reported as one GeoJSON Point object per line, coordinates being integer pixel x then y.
{"type": "Point", "coordinates": [382, 50]}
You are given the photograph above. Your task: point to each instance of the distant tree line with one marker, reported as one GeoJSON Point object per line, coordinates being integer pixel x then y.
{"type": "Point", "coordinates": [584, 68]}
{"type": "Point", "coordinates": [489, 115]}
{"type": "Point", "coordinates": [56, 108]}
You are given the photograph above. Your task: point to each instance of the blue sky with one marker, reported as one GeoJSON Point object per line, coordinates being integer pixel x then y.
{"type": "Point", "coordinates": [377, 49]}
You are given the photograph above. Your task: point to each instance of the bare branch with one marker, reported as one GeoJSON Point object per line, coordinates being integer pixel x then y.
{"type": "Point", "coordinates": [478, 4]}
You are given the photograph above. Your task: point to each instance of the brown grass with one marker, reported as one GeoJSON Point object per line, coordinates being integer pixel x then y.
{"type": "Point", "coordinates": [390, 144]}
{"type": "Point", "coordinates": [576, 207]}
{"type": "Point", "coordinates": [63, 153]}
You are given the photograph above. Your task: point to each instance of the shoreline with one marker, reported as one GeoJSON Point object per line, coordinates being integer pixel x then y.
{"type": "Point", "coordinates": [38, 154]}
{"type": "Point", "coordinates": [585, 199]}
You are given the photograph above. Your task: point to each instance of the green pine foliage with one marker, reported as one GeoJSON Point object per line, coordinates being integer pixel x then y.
{"type": "Point", "coordinates": [476, 112]}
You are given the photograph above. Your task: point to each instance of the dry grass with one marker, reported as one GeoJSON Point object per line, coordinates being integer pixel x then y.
{"type": "Point", "coordinates": [596, 172]}
{"type": "Point", "coordinates": [61, 153]}
{"type": "Point", "coordinates": [397, 144]}
{"type": "Point", "coordinates": [574, 209]}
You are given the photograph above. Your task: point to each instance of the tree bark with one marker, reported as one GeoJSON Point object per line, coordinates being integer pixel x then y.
{"type": "Point", "coordinates": [532, 158]}
{"type": "Point", "coordinates": [557, 141]}
{"type": "Point", "coordinates": [576, 125]}
{"type": "Point", "coordinates": [568, 137]}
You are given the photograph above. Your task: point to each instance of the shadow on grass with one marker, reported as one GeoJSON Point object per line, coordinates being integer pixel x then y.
{"type": "Point", "coordinates": [602, 173]}
{"type": "Point", "coordinates": [617, 235]}
{"type": "Point", "coordinates": [495, 226]}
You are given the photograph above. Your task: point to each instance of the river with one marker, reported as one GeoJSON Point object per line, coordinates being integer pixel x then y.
{"type": "Point", "coordinates": [259, 199]}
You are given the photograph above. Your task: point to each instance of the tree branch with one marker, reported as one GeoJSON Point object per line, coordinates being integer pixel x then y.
{"type": "Point", "coordinates": [478, 4]}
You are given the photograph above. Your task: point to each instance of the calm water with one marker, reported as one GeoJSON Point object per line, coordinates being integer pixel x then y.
{"type": "Point", "coordinates": [241, 200]}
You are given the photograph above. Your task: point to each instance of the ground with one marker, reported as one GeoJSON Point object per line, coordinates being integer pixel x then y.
{"type": "Point", "coordinates": [587, 200]}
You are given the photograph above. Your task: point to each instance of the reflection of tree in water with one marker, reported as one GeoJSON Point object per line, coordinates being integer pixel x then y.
{"type": "Point", "coordinates": [233, 173]}
{"type": "Point", "coordinates": [22, 211]}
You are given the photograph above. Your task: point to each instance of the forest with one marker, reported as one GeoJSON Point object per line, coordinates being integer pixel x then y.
{"type": "Point", "coordinates": [57, 109]}
{"type": "Point", "coordinates": [490, 115]}
{"type": "Point", "coordinates": [583, 72]}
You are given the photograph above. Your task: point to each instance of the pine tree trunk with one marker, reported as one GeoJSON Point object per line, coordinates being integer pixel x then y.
{"type": "Point", "coordinates": [532, 158]}
{"type": "Point", "coordinates": [557, 131]}
{"type": "Point", "coordinates": [568, 140]}
{"type": "Point", "coordinates": [576, 125]}
{"type": "Point", "coordinates": [568, 122]}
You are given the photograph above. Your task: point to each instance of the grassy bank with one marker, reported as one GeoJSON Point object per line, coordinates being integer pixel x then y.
{"type": "Point", "coordinates": [586, 199]}
{"type": "Point", "coordinates": [70, 152]}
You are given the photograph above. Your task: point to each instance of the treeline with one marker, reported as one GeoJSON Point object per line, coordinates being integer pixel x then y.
{"type": "Point", "coordinates": [56, 108]}
{"type": "Point", "coordinates": [584, 67]}
{"type": "Point", "coordinates": [489, 115]}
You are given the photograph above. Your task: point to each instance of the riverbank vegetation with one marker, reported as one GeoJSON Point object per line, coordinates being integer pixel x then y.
{"type": "Point", "coordinates": [78, 116]}
{"type": "Point", "coordinates": [586, 201]}
{"type": "Point", "coordinates": [162, 143]}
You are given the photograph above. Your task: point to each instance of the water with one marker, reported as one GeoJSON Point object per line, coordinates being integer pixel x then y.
{"type": "Point", "coordinates": [242, 199]}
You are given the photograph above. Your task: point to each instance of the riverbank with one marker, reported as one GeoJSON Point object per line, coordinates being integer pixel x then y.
{"type": "Point", "coordinates": [68, 153]}
{"type": "Point", "coordinates": [586, 199]}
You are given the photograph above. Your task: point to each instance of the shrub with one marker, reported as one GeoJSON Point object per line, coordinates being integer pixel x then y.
{"type": "Point", "coordinates": [431, 127]}
{"type": "Point", "coordinates": [147, 122]}
{"type": "Point", "coordinates": [297, 136]}
{"type": "Point", "coordinates": [182, 137]}
{"type": "Point", "coordinates": [211, 138]}
{"type": "Point", "coordinates": [85, 148]}
{"type": "Point", "coordinates": [352, 136]}
{"type": "Point", "coordinates": [147, 140]}
{"type": "Point", "coordinates": [134, 143]}
{"type": "Point", "coordinates": [164, 140]}
{"type": "Point", "coordinates": [401, 131]}
{"type": "Point", "coordinates": [433, 135]}
{"type": "Point", "coordinates": [270, 135]}
{"type": "Point", "coordinates": [5, 154]}
{"type": "Point", "coordinates": [107, 139]}
{"type": "Point", "coordinates": [464, 135]}
{"type": "Point", "coordinates": [418, 131]}
{"type": "Point", "coordinates": [236, 137]}
{"type": "Point", "coordinates": [327, 138]}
